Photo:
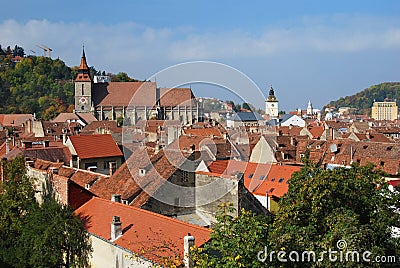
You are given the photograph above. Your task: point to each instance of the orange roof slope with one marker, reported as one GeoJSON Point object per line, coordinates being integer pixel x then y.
{"type": "Point", "coordinates": [95, 146]}
{"type": "Point", "coordinates": [258, 178]}
{"type": "Point", "coordinates": [14, 119]}
{"type": "Point", "coordinates": [142, 230]}
{"type": "Point", "coordinates": [175, 96]}
{"type": "Point", "coordinates": [125, 93]}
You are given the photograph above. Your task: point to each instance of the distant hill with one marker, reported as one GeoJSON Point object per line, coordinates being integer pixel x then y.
{"type": "Point", "coordinates": [40, 84]}
{"type": "Point", "coordinates": [363, 100]}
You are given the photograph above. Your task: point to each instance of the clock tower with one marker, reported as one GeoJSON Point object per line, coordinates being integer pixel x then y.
{"type": "Point", "coordinates": [271, 105]}
{"type": "Point", "coordinates": [83, 87]}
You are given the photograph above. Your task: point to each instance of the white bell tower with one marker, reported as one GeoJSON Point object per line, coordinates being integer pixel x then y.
{"type": "Point", "coordinates": [271, 105]}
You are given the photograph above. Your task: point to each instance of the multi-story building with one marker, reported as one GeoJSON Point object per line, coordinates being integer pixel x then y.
{"type": "Point", "coordinates": [384, 110]}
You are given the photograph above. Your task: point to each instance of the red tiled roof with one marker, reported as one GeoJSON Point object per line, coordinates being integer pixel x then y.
{"type": "Point", "coordinates": [64, 117]}
{"type": "Point", "coordinates": [258, 178]}
{"type": "Point", "coordinates": [121, 93]}
{"type": "Point", "coordinates": [394, 183]}
{"type": "Point", "coordinates": [203, 132]}
{"type": "Point", "coordinates": [3, 148]}
{"type": "Point", "coordinates": [14, 119]}
{"type": "Point", "coordinates": [95, 126]}
{"type": "Point", "coordinates": [145, 233]}
{"type": "Point", "coordinates": [127, 182]}
{"type": "Point", "coordinates": [95, 146]}
{"type": "Point", "coordinates": [56, 152]}
{"type": "Point", "coordinates": [140, 94]}
{"type": "Point", "coordinates": [175, 96]}
{"type": "Point", "coordinates": [316, 131]}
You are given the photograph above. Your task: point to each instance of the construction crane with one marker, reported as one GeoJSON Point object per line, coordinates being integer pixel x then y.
{"type": "Point", "coordinates": [49, 50]}
{"type": "Point", "coordinates": [46, 50]}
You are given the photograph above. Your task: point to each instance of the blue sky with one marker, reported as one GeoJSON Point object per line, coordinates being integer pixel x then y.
{"type": "Point", "coordinates": [317, 50]}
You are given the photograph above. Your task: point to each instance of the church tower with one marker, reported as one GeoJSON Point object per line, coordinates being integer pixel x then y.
{"type": "Point", "coordinates": [83, 87]}
{"type": "Point", "coordinates": [310, 109]}
{"type": "Point", "coordinates": [271, 105]}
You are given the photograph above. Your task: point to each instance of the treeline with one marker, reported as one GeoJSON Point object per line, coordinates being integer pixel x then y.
{"type": "Point", "coordinates": [33, 235]}
{"type": "Point", "coordinates": [363, 100]}
{"type": "Point", "coordinates": [40, 85]}
{"type": "Point", "coordinates": [328, 218]}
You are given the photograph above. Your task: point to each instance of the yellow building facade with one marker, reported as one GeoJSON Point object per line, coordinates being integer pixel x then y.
{"type": "Point", "coordinates": [384, 110]}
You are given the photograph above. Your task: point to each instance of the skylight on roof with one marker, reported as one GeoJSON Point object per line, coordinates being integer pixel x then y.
{"type": "Point", "coordinates": [261, 177]}
{"type": "Point", "coordinates": [250, 175]}
{"type": "Point", "coordinates": [273, 179]}
{"type": "Point", "coordinates": [281, 179]}
{"type": "Point", "coordinates": [271, 190]}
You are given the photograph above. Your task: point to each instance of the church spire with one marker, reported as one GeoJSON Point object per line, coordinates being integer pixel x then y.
{"type": "Point", "coordinates": [83, 70]}
{"type": "Point", "coordinates": [271, 96]}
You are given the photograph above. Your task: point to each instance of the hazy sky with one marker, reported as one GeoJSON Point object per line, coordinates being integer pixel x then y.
{"type": "Point", "coordinates": [317, 50]}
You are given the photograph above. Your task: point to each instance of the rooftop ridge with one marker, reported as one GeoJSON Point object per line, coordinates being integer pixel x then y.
{"type": "Point", "coordinates": [145, 211]}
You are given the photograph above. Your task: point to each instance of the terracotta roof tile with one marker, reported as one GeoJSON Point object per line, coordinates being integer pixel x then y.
{"type": "Point", "coordinates": [144, 233]}
{"type": "Point", "coordinates": [203, 132]}
{"type": "Point", "coordinates": [95, 146]}
{"type": "Point", "coordinates": [99, 126]}
{"type": "Point", "coordinates": [316, 131]}
{"type": "Point", "coordinates": [121, 93]}
{"type": "Point", "coordinates": [258, 178]}
{"type": "Point", "coordinates": [14, 119]}
{"type": "Point", "coordinates": [175, 96]}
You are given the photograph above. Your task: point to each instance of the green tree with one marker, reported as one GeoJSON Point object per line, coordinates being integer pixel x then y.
{"type": "Point", "coordinates": [324, 207]}
{"type": "Point", "coordinates": [16, 200]}
{"type": "Point", "coordinates": [54, 237]}
{"type": "Point", "coordinates": [246, 106]}
{"type": "Point", "coordinates": [49, 235]}
{"type": "Point", "coordinates": [121, 77]}
{"type": "Point", "coordinates": [235, 241]}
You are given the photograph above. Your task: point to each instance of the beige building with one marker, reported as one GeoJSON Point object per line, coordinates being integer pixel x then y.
{"type": "Point", "coordinates": [384, 110]}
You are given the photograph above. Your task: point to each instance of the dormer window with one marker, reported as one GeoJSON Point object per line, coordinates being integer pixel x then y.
{"type": "Point", "coordinates": [142, 172]}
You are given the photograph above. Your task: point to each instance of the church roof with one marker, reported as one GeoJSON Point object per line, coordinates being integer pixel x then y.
{"type": "Point", "coordinates": [139, 94]}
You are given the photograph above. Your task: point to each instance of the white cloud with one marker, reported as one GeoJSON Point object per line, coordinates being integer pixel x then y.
{"type": "Point", "coordinates": [140, 50]}
{"type": "Point", "coordinates": [135, 42]}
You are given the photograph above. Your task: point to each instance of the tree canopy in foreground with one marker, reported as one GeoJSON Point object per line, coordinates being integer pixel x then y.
{"type": "Point", "coordinates": [33, 235]}
{"type": "Point", "coordinates": [349, 211]}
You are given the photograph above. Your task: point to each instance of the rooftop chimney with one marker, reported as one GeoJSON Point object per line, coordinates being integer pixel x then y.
{"type": "Point", "coordinates": [53, 170]}
{"type": "Point", "coordinates": [113, 167]}
{"type": "Point", "coordinates": [64, 135]}
{"type": "Point", "coordinates": [188, 241]}
{"type": "Point", "coordinates": [7, 145]}
{"type": "Point", "coordinates": [116, 228]}
{"type": "Point", "coordinates": [116, 198]}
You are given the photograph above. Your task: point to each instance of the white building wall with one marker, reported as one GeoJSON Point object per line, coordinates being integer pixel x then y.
{"type": "Point", "coordinates": [107, 255]}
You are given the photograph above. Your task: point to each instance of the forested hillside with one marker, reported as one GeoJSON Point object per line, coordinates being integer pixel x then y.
{"type": "Point", "coordinates": [34, 85]}
{"type": "Point", "coordinates": [363, 100]}
{"type": "Point", "coordinates": [39, 84]}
